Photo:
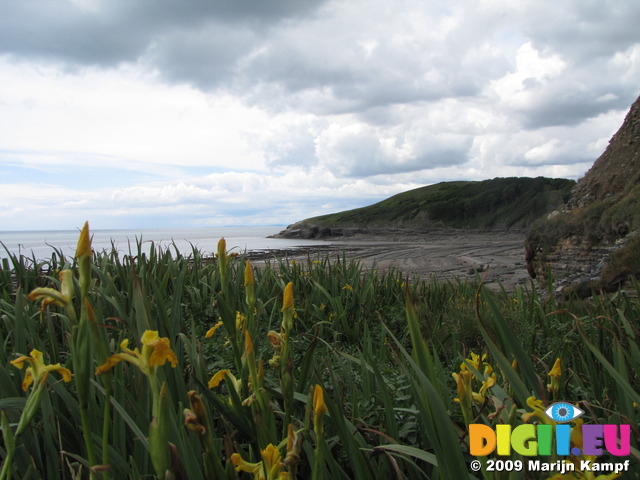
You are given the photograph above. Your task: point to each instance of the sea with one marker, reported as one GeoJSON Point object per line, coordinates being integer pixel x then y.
{"type": "Point", "coordinates": [42, 244]}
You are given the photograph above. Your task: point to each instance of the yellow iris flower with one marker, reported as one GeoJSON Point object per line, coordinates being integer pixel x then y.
{"type": "Point", "coordinates": [319, 407]}
{"type": "Point", "coordinates": [156, 351]}
{"type": "Point", "coordinates": [538, 411]}
{"type": "Point", "coordinates": [554, 375]}
{"type": "Point", "coordinates": [271, 462]}
{"type": "Point", "coordinates": [213, 329]}
{"type": "Point", "coordinates": [37, 371]}
{"type": "Point", "coordinates": [60, 298]}
{"type": "Point", "coordinates": [475, 361]}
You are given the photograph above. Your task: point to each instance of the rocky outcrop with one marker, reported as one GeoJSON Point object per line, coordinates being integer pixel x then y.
{"type": "Point", "coordinates": [593, 242]}
{"type": "Point", "coordinates": [308, 231]}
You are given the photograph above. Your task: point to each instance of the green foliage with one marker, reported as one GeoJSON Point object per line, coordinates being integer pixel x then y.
{"type": "Point", "coordinates": [382, 350]}
{"type": "Point", "coordinates": [623, 263]}
{"type": "Point", "coordinates": [513, 202]}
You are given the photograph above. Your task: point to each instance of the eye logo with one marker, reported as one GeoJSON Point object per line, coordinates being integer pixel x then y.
{"type": "Point", "coordinates": [562, 412]}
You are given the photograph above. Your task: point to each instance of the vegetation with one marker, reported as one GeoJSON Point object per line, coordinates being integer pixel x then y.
{"type": "Point", "coordinates": [501, 202]}
{"type": "Point", "coordinates": [599, 221]}
{"type": "Point", "coordinates": [130, 366]}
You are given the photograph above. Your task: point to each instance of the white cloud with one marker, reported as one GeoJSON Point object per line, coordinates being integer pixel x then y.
{"type": "Point", "coordinates": [198, 113]}
{"type": "Point", "coordinates": [123, 113]}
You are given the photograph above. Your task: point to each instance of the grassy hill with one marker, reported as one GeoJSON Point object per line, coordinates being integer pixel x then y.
{"type": "Point", "coordinates": [513, 202]}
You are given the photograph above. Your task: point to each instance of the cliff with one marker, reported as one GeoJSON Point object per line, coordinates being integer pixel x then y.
{"type": "Point", "coordinates": [592, 243]}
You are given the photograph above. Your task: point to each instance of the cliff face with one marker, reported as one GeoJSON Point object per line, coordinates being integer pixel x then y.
{"type": "Point", "coordinates": [592, 243]}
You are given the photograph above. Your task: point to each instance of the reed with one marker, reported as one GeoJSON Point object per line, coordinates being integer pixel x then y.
{"type": "Point", "coordinates": [211, 368]}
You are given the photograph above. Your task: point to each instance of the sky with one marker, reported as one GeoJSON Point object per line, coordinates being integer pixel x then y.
{"type": "Point", "coordinates": [204, 113]}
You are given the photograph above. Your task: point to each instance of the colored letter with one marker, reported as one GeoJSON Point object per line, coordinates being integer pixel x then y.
{"type": "Point", "coordinates": [592, 440]}
{"type": "Point", "coordinates": [523, 440]}
{"type": "Point", "coordinates": [503, 432]}
{"type": "Point", "coordinates": [563, 439]}
{"type": "Point", "coordinates": [544, 439]}
{"type": "Point", "coordinates": [482, 439]}
{"type": "Point", "coordinates": [611, 440]}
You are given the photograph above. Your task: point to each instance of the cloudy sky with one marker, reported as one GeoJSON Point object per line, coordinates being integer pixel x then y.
{"type": "Point", "coordinates": [167, 113]}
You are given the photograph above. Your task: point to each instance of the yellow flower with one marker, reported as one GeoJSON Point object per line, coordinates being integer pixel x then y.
{"type": "Point", "coordinates": [83, 248]}
{"type": "Point", "coordinates": [222, 248]}
{"type": "Point", "coordinates": [241, 320]}
{"type": "Point", "coordinates": [538, 411]}
{"type": "Point", "coordinates": [156, 351]}
{"type": "Point", "coordinates": [232, 381]}
{"type": "Point", "coordinates": [488, 371]}
{"type": "Point", "coordinates": [486, 385]}
{"type": "Point", "coordinates": [461, 385]}
{"type": "Point", "coordinates": [287, 308]}
{"type": "Point", "coordinates": [277, 341]}
{"type": "Point", "coordinates": [213, 329]}
{"type": "Point", "coordinates": [248, 274]}
{"type": "Point", "coordinates": [219, 376]}
{"type": "Point", "coordinates": [319, 407]}
{"type": "Point", "coordinates": [465, 394]}
{"type": "Point", "coordinates": [51, 296]}
{"type": "Point", "coordinates": [556, 371]}
{"type": "Point", "coordinates": [84, 256]}
{"type": "Point", "coordinates": [250, 293]}
{"type": "Point", "coordinates": [287, 302]}
{"type": "Point", "coordinates": [37, 371]}
{"type": "Point", "coordinates": [271, 462]}
{"type": "Point", "coordinates": [555, 374]}
{"type": "Point", "coordinates": [347, 287]}
{"type": "Point", "coordinates": [475, 361]}
{"type": "Point", "coordinates": [243, 466]}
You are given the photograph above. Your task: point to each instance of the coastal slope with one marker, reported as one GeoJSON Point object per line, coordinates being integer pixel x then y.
{"type": "Point", "coordinates": [512, 203]}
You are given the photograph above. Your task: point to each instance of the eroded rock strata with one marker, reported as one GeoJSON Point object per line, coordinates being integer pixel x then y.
{"type": "Point", "coordinates": [592, 243]}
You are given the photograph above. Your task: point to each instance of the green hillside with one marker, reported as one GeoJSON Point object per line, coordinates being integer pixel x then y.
{"type": "Point", "coordinates": [513, 202]}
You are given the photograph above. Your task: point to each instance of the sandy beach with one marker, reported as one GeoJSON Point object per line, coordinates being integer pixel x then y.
{"type": "Point", "coordinates": [440, 254]}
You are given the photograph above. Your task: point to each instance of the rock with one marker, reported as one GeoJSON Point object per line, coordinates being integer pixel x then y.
{"type": "Point", "coordinates": [592, 233]}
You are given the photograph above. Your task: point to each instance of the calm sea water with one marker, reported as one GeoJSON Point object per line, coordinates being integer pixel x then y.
{"type": "Point", "coordinates": [41, 244]}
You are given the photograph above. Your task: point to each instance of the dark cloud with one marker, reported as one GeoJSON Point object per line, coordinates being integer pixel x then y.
{"type": "Point", "coordinates": [109, 32]}
{"type": "Point", "coordinates": [582, 30]}
{"type": "Point", "coordinates": [568, 104]}
{"type": "Point", "coordinates": [205, 57]}
{"type": "Point", "coordinates": [353, 66]}
{"type": "Point", "coordinates": [330, 58]}
{"type": "Point", "coordinates": [331, 71]}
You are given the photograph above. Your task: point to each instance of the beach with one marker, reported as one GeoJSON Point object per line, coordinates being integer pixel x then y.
{"type": "Point", "coordinates": [440, 253]}
{"type": "Point", "coordinates": [443, 254]}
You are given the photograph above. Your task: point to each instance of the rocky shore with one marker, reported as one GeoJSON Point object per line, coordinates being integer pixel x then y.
{"type": "Point", "coordinates": [442, 254]}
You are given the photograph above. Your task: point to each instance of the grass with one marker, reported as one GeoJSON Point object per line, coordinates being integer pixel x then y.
{"type": "Point", "coordinates": [321, 369]}
{"type": "Point", "coordinates": [513, 202]}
